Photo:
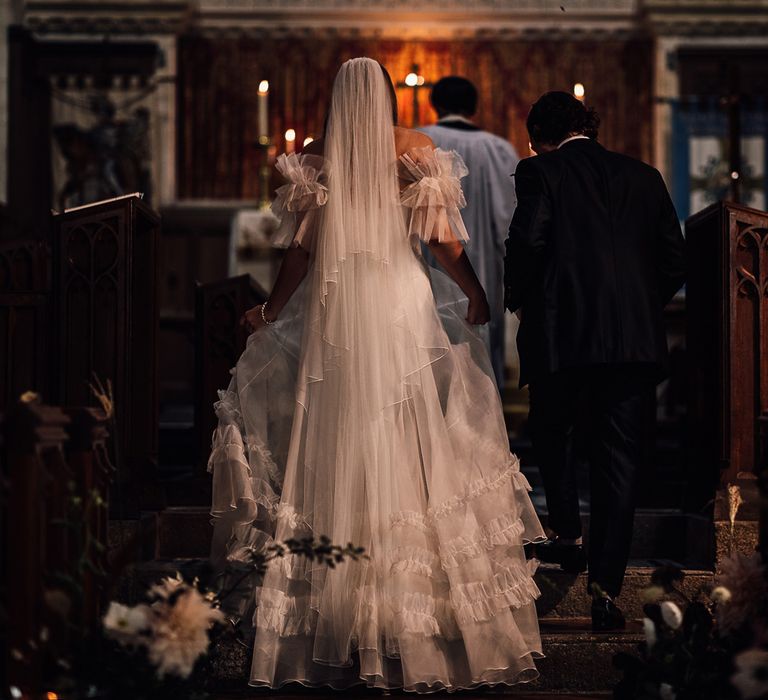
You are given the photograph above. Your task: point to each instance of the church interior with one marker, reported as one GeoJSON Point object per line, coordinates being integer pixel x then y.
{"type": "Point", "coordinates": [139, 141]}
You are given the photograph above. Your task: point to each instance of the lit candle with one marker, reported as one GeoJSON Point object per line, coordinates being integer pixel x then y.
{"type": "Point", "coordinates": [411, 80]}
{"type": "Point", "coordinates": [578, 92]}
{"type": "Point", "coordinates": [308, 140]}
{"type": "Point", "coordinates": [263, 111]}
{"type": "Point", "coordinates": [290, 140]}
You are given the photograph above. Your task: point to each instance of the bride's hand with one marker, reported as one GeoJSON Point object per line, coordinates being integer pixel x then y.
{"type": "Point", "coordinates": [252, 319]}
{"type": "Point", "coordinates": [478, 311]}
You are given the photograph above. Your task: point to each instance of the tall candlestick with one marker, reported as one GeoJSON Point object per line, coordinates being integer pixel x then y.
{"type": "Point", "coordinates": [263, 111]}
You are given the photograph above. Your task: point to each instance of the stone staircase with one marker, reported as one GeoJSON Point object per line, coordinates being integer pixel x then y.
{"type": "Point", "coordinates": [577, 660]}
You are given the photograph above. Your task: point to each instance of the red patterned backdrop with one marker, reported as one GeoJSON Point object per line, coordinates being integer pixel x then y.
{"type": "Point", "coordinates": [218, 79]}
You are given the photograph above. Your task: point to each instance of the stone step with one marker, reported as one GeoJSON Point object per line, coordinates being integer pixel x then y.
{"type": "Point", "coordinates": [564, 596]}
{"type": "Point", "coordinates": [579, 660]}
{"type": "Point", "coordinates": [183, 531]}
{"type": "Point", "coordinates": [664, 534]}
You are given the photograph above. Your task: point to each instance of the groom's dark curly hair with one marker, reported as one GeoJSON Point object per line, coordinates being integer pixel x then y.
{"type": "Point", "coordinates": [556, 115]}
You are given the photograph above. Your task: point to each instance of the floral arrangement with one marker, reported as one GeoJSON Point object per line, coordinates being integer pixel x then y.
{"type": "Point", "coordinates": [158, 647]}
{"type": "Point", "coordinates": [713, 646]}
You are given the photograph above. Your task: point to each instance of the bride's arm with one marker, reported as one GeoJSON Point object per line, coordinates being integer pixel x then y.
{"type": "Point", "coordinates": [292, 271]}
{"type": "Point", "coordinates": [453, 259]}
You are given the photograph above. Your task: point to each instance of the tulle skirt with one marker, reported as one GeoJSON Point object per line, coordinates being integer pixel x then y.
{"type": "Point", "coordinates": [369, 414]}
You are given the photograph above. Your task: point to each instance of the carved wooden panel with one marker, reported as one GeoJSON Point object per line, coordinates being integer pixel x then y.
{"type": "Point", "coordinates": [23, 318]}
{"type": "Point", "coordinates": [220, 341]}
{"type": "Point", "coordinates": [728, 336]}
{"type": "Point", "coordinates": [105, 267]}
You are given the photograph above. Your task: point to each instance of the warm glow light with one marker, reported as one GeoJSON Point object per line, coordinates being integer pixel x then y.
{"type": "Point", "coordinates": [578, 91]}
{"type": "Point", "coordinates": [420, 80]}
{"type": "Point", "coordinates": [263, 87]}
{"type": "Point", "coordinates": [308, 140]}
{"type": "Point", "coordinates": [411, 80]}
{"type": "Point", "coordinates": [50, 695]}
{"type": "Point", "coordinates": [290, 135]}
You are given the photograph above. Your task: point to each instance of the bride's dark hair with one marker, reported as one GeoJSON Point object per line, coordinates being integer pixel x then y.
{"type": "Point", "coordinates": [392, 93]}
{"type": "Point", "coordinates": [556, 115]}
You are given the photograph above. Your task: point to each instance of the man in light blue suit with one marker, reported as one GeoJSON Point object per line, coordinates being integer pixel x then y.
{"type": "Point", "coordinates": [490, 193]}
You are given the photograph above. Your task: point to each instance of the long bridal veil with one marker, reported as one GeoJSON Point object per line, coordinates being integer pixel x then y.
{"type": "Point", "coordinates": [368, 414]}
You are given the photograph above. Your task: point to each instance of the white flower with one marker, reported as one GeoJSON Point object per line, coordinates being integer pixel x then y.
{"type": "Point", "coordinates": [720, 595]}
{"type": "Point", "coordinates": [751, 677]}
{"type": "Point", "coordinates": [124, 624]}
{"type": "Point", "coordinates": [671, 614]}
{"type": "Point", "coordinates": [180, 630]}
{"type": "Point", "coordinates": [667, 692]}
{"type": "Point", "coordinates": [649, 629]}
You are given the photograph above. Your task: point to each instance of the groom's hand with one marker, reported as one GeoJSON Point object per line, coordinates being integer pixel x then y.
{"type": "Point", "coordinates": [478, 311]}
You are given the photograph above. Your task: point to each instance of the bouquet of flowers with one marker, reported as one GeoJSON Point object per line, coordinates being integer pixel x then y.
{"type": "Point", "coordinates": [158, 647]}
{"type": "Point", "coordinates": [711, 647]}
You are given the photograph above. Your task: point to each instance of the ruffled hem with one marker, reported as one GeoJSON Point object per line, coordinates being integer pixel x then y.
{"type": "Point", "coordinates": [527, 674]}
{"type": "Point", "coordinates": [481, 601]}
{"type": "Point", "coordinates": [408, 612]}
{"type": "Point", "coordinates": [504, 530]}
{"type": "Point", "coordinates": [479, 487]}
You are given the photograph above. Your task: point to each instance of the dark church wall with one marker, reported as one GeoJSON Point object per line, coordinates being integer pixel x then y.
{"type": "Point", "coordinates": [218, 79]}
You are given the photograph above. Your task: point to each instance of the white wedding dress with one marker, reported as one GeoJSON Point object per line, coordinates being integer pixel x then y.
{"type": "Point", "coordinates": [368, 413]}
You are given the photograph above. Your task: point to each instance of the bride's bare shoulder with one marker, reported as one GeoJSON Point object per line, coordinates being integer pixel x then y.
{"type": "Point", "coordinates": [408, 139]}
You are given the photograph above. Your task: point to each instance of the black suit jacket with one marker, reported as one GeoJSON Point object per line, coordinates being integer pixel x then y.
{"type": "Point", "coordinates": [594, 254]}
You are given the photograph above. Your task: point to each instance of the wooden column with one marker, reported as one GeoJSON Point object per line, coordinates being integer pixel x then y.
{"type": "Point", "coordinates": [29, 129]}
{"type": "Point", "coordinates": [33, 438]}
{"type": "Point", "coordinates": [105, 286]}
{"type": "Point", "coordinates": [727, 325]}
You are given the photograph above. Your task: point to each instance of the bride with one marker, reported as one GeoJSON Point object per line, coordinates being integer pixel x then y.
{"type": "Point", "coordinates": [365, 410]}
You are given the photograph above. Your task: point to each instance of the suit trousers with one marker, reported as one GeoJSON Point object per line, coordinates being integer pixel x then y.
{"type": "Point", "coordinates": [609, 412]}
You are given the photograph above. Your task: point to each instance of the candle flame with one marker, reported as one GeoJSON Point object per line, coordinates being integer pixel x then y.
{"type": "Point", "coordinates": [290, 135]}
{"type": "Point", "coordinates": [263, 87]}
{"type": "Point", "coordinates": [411, 80]}
{"type": "Point", "coordinates": [308, 140]}
{"type": "Point", "coordinates": [578, 91]}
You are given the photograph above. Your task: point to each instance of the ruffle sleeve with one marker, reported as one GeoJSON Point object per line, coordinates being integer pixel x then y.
{"type": "Point", "coordinates": [433, 194]}
{"type": "Point", "coordinates": [297, 203]}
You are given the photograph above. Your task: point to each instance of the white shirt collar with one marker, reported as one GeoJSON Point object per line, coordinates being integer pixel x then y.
{"type": "Point", "coordinates": [572, 138]}
{"type": "Point", "coordinates": [455, 118]}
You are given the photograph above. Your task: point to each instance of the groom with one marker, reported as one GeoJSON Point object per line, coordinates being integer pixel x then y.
{"type": "Point", "coordinates": [594, 254]}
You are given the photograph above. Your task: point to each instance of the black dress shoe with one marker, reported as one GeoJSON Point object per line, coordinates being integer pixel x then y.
{"type": "Point", "coordinates": [606, 616]}
{"type": "Point", "coordinates": [571, 557]}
